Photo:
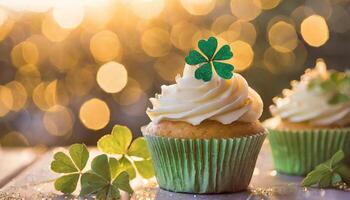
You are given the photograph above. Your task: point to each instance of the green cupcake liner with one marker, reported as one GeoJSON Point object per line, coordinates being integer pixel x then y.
{"type": "Point", "coordinates": [204, 165]}
{"type": "Point", "coordinates": [297, 152]}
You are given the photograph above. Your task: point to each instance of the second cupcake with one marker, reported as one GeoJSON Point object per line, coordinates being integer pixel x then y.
{"type": "Point", "coordinates": [311, 121]}
{"type": "Point", "coordinates": [204, 135]}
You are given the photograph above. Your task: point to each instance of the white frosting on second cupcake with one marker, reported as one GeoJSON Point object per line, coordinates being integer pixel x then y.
{"type": "Point", "coordinates": [302, 104]}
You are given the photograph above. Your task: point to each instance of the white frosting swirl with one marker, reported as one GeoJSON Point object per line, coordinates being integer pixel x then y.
{"type": "Point", "coordinates": [301, 104]}
{"type": "Point", "coordinates": [193, 101]}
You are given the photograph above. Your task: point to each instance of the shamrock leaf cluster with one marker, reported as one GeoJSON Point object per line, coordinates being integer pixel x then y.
{"type": "Point", "coordinates": [212, 57]}
{"type": "Point", "coordinates": [337, 83]}
{"type": "Point", "coordinates": [71, 166]}
{"type": "Point", "coordinates": [134, 156]}
{"type": "Point", "coordinates": [107, 175]}
{"type": "Point", "coordinates": [104, 180]}
{"type": "Point", "coordinates": [330, 173]}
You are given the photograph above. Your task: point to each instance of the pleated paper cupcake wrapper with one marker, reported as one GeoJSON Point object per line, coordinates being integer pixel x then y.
{"type": "Point", "coordinates": [204, 165]}
{"type": "Point", "coordinates": [297, 152]}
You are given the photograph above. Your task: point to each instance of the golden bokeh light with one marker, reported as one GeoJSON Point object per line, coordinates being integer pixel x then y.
{"type": "Point", "coordinates": [64, 56]}
{"type": "Point", "coordinates": [80, 81]}
{"type": "Point", "coordinates": [269, 4]}
{"type": "Point", "coordinates": [314, 30]}
{"type": "Point", "coordinates": [240, 30]}
{"type": "Point", "coordinates": [55, 93]}
{"type": "Point", "coordinates": [105, 46]}
{"type": "Point", "coordinates": [69, 16]}
{"type": "Point", "coordinates": [198, 7]}
{"type": "Point", "coordinates": [6, 25]}
{"type": "Point", "coordinates": [169, 66]}
{"type": "Point", "coordinates": [52, 30]}
{"type": "Point", "coordinates": [19, 94]}
{"type": "Point", "coordinates": [130, 94]}
{"type": "Point", "coordinates": [29, 76]}
{"type": "Point", "coordinates": [243, 55]}
{"type": "Point", "coordinates": [14, 139]}
{"type": "Point", "coordinates": [222, 23]}
{"type": "Point", "coordinates": [94, 114]}
{"type": "Point", "coordinates": [3, 16]}
{"type": "Point", "coordinates": [300, 13]}
{"type": "Point", "coordinates": [147, 9]}
{"type": "Point", "coordinates": [279, 62]}
{"type": "Point", "coordinates": [112, 77]}
{"type": "Point", "coordinates": [24, 53]}
{"type": "Point", "coordinates": [199, 35]}
{"type": "Point", "coordinates": [283, 37]}
{"type": "Point", "coordinates": [6, 100]}
{"type": "Point", "coordinates": [246, 9]}
{"type": "Point", "coordinates": [58, 120]}
{"type": "Point", "coordinates": [38, 97]}
{"type": "Point", "coordinates": [182, 33]}
{"type": "Point", "coordinates": [156, 42]}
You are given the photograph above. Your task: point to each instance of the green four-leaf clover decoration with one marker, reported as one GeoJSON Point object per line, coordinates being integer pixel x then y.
{"type": "Point", "coordinates": [212, 57]}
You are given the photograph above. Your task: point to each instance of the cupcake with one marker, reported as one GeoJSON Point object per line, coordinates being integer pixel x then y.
{"type": "Point", "coordinates": [205, 136]}
{"type": "Point", "coordinates": [311, 120]}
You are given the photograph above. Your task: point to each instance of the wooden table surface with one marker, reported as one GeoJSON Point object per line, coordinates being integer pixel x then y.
{"type": "Point", "coordinates": [25, 174]}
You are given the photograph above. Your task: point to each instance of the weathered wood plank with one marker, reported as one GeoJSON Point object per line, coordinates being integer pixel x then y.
{"type": "Point", "coordinates": [14, 160]}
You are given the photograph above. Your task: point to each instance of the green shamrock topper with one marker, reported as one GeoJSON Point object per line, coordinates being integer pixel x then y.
{"type": "Point", "coordinates": [208, 48]}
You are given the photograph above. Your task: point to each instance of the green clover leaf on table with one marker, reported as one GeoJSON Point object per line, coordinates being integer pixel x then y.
{"type": "Point", "coordinates": [329, 173]}
{"type": "Point", "coordinates": [71, 166]}
{"type": "Point", "coordinates": [104, 179]}
{"type": "Point", "coordinates": [212, 57]}
{"type": "Point", "coordinates": [134, 155]}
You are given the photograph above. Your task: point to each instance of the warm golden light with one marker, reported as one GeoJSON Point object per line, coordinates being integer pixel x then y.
{"type": "Point", "coordinates": [283, 37]}
{"type": "Point", "coordinates": [112, 77]}
{"type": "Point", "coordinates": [69, 16]}
{"type": "Point", "coordinates": [314, 30]}
{"type": "Point", "coordinates": [130, 94]}
{"type": "Point", "coordinates": [80, 80]}
{"type": "Point", "coordinates": [246, 9]}
{"type": "Point", "coordinates": [24, 53]}
{"type": "Point", "coordinates": [198, 7]}
{"type": "Point", "coordinates": [169, 66]}
{"type": "Point", "coordinates": [3, 17]}
{"type": "Point", "coordinates": [58, 120]}
{"type": "Point", "coordinates": [240, 30]}
{"type": "Point", "coordinates": [6, 100]}
{"type": "Point", "coordinates": [94, 114]}
{"type": "Point", "coordinates": [222, 23]}
{"type": "Point", "coordinates": [105, 46]}
{"type": "Point", "coordinates": [147, 9]}
{"type": "Point", "coordinates": [14, 139]}
{"type": "Point", "coordinates": [278, 62]}
{"type": "Point", "coordinates": [182, 33]}
{"type": "Point", "coordinates": [269, 4]}
{"type": "Point", "coordinates": [52, 30]}
{"type": "Point", "coordinates": [64, 56]}
{"type": "Point", "coordinates": [19, 94]}
{"type": "Point", "coordinates": [243, 55]}
{"type": "Point", "coordinates": [156, 42]}
{"type": "Point", "coordinates": [29, 76]}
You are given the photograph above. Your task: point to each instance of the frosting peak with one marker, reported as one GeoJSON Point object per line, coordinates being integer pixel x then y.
{"type": "Point", "coordinates": [193, 101]}
{"type": "Point", "coordinates": [303, 104]}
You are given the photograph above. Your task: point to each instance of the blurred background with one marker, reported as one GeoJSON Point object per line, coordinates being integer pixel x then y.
{"type": "Point", "coordinates": [71, 69]}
